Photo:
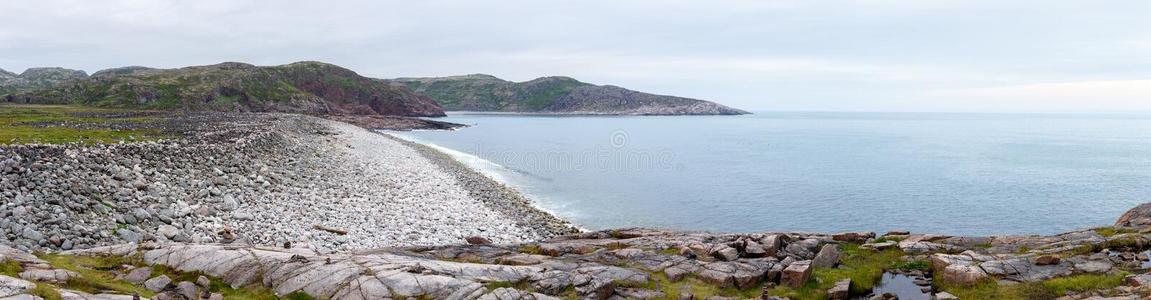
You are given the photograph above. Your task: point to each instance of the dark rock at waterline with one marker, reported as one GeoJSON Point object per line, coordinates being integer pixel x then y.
{"type": "Point", "coordinates": [1138, 216]}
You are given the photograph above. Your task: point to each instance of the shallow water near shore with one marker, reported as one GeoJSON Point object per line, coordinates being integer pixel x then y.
{"type": "Point", "coordinates": [964, 174]}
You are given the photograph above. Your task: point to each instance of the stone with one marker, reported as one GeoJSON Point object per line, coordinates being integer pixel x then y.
{"type": "Point", "coordinates": [188, 290]}
{"type": "Point", "coordinates": [634, 293]}
{"type": "Point", "coordinates": [204, 282]}
{"type": "Point", "coordinates": [733, 274]}
{"type": "Point", "coordinates": [1135, 217]}
{"type": "Point", "coordinates": [11, 286]}
{"type": "Point", "coordinates": [1137, 280]}
{"type": "Point", "coordinates": [853, 237]}
{"type": "Point", "coordinates": [941, 261]}
{"type": "Point", "coordinates": [1092, 265]}
{"type": "Point", "coordinates": [157, 283]}
{"type": "Point", "coordinates": [168, 231]}
{"type": "Point", "coordinates": [754, 250]}
{"type": "Point", "coordinates": [597, 289]}
{"type": "Point", "coordinates": [477, 240]}
{"type": "Point", "coordinates": [675, 274]}
{"type": "Point", "coordinates": [828, 257]}
{"type": "Point", "coordinates": [963, 274]}
{"type": "Point", "coordinates": [772, 243]}
{"type": "Point", "coordinates": [945, 296]}
{"type": "Point", "coordinates": [48, 275]}
{"type": "Point", "coordinates": [880, 246]}
{"type": "Point", "coordinates": [1046, 260]}
{"type": "Point", "coordinates": [797, 274]}
{"type": "Point", "coordinates": [841, 290]}
{"type": "Point", "coordinates": [138, 275]}
{"type": "Point", "coordinates": [725, 253]}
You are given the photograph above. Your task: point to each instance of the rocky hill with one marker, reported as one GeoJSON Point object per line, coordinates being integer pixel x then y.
{"type": "Point", "coordinates": [307, 87]}
{"type": "Point", "coordinates": [479, 92]}
{"type": "Point", "coordinates": [36, 78]}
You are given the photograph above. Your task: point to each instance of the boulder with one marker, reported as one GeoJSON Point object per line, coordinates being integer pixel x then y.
{"type": "Point", "coordinates": [1135, 217]}
{"type": "Point", "coordinates": [11, 286]}
{"type": "Point", "coordinates": [853, 237]}
{"type": "Point", "coordinates": [724, 253]}
{"type": "Point", "coordinates": [158, 283]}
{"type": "Point", "coordinates": [477, 240]}
{"type": "Point", "coordinates": [963, 274]}
{"type": "Point", "coordinates": [754, 250]}
{"type": "Point", "coordinates": [828, 257]}
{"type": "Point", "coordinates": [1137, 280]}
{"type": "Point", "coordinates": [797, 274]}
{"type": "Point", "coordinates": [945, 296]}
{"type": "Point", "coordinates": [187, 289]}
{"type": "Point", "coordinates": [880, 246]}
{"type": "Point", "coordinates": [772, 243]}
{"type": "Point", "coordinates": [1047, 260]}
{"type": "Point", "coordinates": [941, 261]}
{"type": "Point", "coordinates": [168, 231]}
{"type": "Point", "coordinates": [49, 275]}
{"type": "Point", "coordinates": [841, 290]}
{"type": "Point", "coordinates": [733, 274]}
{"type": "Point", "coordinates": [138, 275]}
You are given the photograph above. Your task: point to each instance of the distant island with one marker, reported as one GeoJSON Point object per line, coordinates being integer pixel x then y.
{"type": "Point", "coordinates": [555, 94]}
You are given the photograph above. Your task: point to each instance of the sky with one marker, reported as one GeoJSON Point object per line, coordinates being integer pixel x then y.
{"type": "Point", "coordinates": [847, 55]}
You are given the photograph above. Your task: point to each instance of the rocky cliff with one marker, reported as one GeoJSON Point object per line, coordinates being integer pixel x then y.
{"type": "Point", "coordinates": [307, 87]}
{"type": "Point", "coordinates": [479, 92]}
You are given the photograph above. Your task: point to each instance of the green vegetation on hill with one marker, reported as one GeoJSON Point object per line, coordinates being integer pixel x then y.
{"type": "Point", "coordinates": [306, 87]}
{"type": "Point", "coordinates": [487, 93]}
{"type": "Point", "coordinates": [557, 94]}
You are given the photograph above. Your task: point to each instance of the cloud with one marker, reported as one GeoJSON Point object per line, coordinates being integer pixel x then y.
{"type": "Point", "coordinates": [1106, 95]}
{"type": "Point", "coordinates": [756, 54]}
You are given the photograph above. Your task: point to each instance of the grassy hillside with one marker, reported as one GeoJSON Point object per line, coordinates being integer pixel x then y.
{"type": "Point", "coordinates": [308, 87]}
{"type": "Point", "coordinates": [479, 92]}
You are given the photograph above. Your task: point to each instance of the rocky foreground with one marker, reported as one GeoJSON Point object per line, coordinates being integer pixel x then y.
{"type": "Point", "coordinates": [639, 264]}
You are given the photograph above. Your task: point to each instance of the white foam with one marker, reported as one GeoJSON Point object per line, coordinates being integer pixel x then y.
{"type": "Point", "coordinates": [499, 173]}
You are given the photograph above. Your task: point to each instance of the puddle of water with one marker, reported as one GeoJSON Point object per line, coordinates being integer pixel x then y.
{"type": "Point", "coordinates": [1143, 264]}
{"type": "Point", "coordinates": [901, 285]}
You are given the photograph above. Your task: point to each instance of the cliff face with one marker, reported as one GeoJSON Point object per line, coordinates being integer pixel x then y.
{"type": "Point", "coordinates": [306, 87]}
{"type": "Point", "coordinates": [556, 94]}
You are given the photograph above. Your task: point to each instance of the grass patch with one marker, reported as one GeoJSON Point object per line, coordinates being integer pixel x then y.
{"type": "Point", "coordinates": [11, 268]}
{"type": "Point", "coordinates": [884, 239]}
{"type": "Point", "coordinates": [95, 273]}
{"type": "Point", "coordinates": [864, 267]}
{"type": "Point", "coordinates": [522, 285]}
{"type": "Point", "coordinates": [698, 288]}
{"type": "Point", "coordinates": [96, 276]}
{"type": "Point", "coordinates": [16, 125]}
{"type": "Point", "coordinates": [46, 291]}
{"type": "Point", "coordinates": [531, 249]}
{"type": "Point", "coordinates": [1112, 231]}
{"type": "Point", "coordinates": [1049, 289]}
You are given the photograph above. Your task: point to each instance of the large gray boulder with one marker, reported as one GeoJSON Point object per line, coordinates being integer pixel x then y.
{"type": "Point", "coordinates": [1136, 217]}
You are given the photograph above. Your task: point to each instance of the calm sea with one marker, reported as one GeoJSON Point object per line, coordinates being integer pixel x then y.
{"type": "Point", "coordinates": [926, 172]}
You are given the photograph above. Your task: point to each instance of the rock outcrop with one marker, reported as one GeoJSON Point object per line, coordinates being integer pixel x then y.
{"type": "Point", "coordinates": [556, 95]}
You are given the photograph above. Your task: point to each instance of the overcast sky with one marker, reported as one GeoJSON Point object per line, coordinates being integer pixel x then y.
{"type": "Point", "coordinates": [866, 55]}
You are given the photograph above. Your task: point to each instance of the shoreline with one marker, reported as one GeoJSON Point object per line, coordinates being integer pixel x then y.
{"type": "Point", "coordinates": [495, 194]}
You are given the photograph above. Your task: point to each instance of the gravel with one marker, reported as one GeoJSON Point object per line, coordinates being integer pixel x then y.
{"type": "Point", "coordinates": [262, 179]}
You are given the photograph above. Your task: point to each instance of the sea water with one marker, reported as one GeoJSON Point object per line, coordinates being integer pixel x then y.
{"type": "Point", "coordinates": [950, 173]}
